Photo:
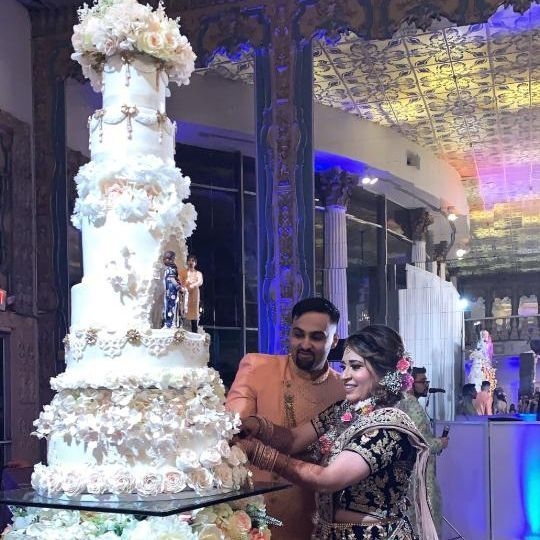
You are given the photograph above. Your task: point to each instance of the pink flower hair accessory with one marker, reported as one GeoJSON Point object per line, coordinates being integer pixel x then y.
{"type": "Point", "coordinates": [403, 364]}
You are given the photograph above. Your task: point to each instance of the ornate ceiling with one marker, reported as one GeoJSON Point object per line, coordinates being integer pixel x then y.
{"type": "Point", "coordinates": [471, 95]}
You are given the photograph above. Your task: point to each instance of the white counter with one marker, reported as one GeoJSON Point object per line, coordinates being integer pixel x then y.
{"type": "Point", "coordinates": [490, 480]}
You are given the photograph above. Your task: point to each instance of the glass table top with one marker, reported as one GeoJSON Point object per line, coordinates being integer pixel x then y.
{"type": "Point", "coordinates": [176, 504]}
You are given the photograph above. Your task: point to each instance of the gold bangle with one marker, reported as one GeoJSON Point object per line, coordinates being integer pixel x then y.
{"type": "Point", "coordinates": [283, 467]}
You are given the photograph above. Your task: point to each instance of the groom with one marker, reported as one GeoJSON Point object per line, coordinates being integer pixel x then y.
{"type": "Point", "coordinates": [290, 390]}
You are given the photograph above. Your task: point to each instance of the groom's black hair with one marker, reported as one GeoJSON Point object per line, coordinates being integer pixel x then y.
{"type": "Point", "coordinates": [318, 305]}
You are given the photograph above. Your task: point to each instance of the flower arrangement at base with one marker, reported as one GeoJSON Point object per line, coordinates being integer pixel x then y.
{"type": "Point", "coordinates": [126, 27]}
{"type": "Point", "coordinates": [239, 520]}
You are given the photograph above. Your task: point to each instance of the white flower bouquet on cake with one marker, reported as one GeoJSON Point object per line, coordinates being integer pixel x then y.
{"type": "Point", "coordinates": [125, 27]}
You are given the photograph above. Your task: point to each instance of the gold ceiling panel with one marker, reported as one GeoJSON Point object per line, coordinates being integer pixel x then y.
{"type": "Point", "coordinates": [472, 96]}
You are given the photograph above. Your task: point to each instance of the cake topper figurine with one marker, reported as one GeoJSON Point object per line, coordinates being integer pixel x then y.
{"type": "Point", "coordinates": [192, 279]}
{"type": "Point", "coordinates": [174, 292]}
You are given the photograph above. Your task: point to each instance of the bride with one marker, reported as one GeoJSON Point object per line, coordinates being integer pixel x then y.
{"type": "Point", "coordinates": [368, 449]}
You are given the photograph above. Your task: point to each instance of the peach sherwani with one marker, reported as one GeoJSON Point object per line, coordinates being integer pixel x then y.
{"type": "Point", "coordinates": [272, 386]}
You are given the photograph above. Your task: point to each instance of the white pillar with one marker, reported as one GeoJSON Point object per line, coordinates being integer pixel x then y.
{"type": "Point", "coordinates": [418, 254]}
{"type": "Point", "coordinates": [442, 270]}
{"type": "Point", "coordinates": [335, 262]}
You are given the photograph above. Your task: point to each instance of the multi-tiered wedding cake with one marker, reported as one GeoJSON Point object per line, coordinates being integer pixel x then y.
{"type": "Point", "coordinates": [137, 411]}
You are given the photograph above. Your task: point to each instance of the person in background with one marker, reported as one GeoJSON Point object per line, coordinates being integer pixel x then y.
{"type": "Point", "coordinates": [369, 448]}
{"type": "Point", "coordinates": [466, 406]}
{"type": "Point", "coordinates": [289, 389]}
{"type": "Point", "coordinates": [500, 405]}
{"type": "Point", "coordinates": [512, 409]}
{"type": "Point", "coordinates": [484, 401]}
{"type": "Point", "coordinates": [192, 281]}
{"type": "Point", "coordinates": [410, 405]}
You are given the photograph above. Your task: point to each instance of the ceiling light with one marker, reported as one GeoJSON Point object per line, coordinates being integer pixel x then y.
{"type": "Point", "coordinates": [369, 180]}
{"type": "Point", "coordinates": [463, 304]}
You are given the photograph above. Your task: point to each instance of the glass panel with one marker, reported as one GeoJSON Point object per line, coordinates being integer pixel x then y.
{"type": "Point", "coordinates": [226, 351]}
{"type": "Point", "coordinates": [361, 244]}
{"type": "Point", "coordinates": [250, 260]}
{"type": "Point", "coordinates": [363, 205]}
{"type": "Point", "coordinates": [398, 220]}
{"type": "Point", "coordinates": [182, 502]}
{"type": "Point", "coordinates": [250, 179]}
{"type": "Point", "coordinates": [359, 283]}
{"type": "Point", "coordinates": [399, 250]}
{"type": "Point", "coordinates": [216, 242]}
{"type": "Point", "coordinates": [252, 341]}
{"type": "Point", "coordinates": [208, 167]}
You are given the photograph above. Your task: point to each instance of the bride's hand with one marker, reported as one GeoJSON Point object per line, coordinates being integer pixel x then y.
{"type": "Point", "coordinates": [248, 446]}
{"type": "Point", "coordinates": [250, 427]}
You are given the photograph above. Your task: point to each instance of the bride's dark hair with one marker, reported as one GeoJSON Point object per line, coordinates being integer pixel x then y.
{"type": "Point", "coordinates": [382, 347]}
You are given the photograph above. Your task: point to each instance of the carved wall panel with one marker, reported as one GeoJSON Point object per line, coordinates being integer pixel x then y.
{"type": "Point", "coordinates": [17, 253]}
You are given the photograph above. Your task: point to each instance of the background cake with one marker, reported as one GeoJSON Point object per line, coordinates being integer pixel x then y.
{"type": "Point", "coordinates": [137, 410]}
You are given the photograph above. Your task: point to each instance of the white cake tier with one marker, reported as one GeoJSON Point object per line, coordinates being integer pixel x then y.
{"type": "Point", "coordinates": [126, 439]}
{"type": "Point", "coordinates": [134, 80]}
{"type": "Point", "coordinates": [131, 130]}
{"type": "Point", "coordinates": [94, 355]}
{"type": "Point", "coordinates": [122, 284]}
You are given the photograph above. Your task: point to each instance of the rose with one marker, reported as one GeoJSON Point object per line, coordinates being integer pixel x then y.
{"type": "Point", "coordinates": [403, 365]}
{"type": "Point", "coordinates": [151, 43]}
{"type": "Point", "coordinates": [174, 481]}
{"type": "Point", "coordinates": [346, 416]}
{"type": "Point", "coordinates": [200, 479]}
{"type": "Point", "coordinates": [224, 449]}
{"type": "Point", "coordinates": [240, 475]}
{"type": "Point", "coordinates": [210, 458]}
{"type": "Point", "coordinates": [54, 482]}
{"type": "Point", "coordinates": [224, 476]}
{"type": "Point", "coordinates": [325, 444]}
{"type": "Point", "coordinates": [121, 481]}
{"type": "Point", "coordinates": [238, 525]}
{"type": "Point", "coordinates": [210, 532]}
{"type": "Point", "coordinates": [237, 457]}
{"type": "Point", "coordinates": [150, 483]}
{"type": "Point", "coordinates": [259, 534]}
{"type": "Point", "coordinates": [73, 483]}
{"type": "Point", "coordinates": [187, 459]}
{"type": "Point", "coordinates": [96, 483]}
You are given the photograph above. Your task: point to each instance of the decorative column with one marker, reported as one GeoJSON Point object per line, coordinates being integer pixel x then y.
{"type": "Point", "coordinates": [421, 220]}
{"type": "Point", "coordinates": [335, 189]}
{"type": "Point", "coordinates": [285, 190]}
